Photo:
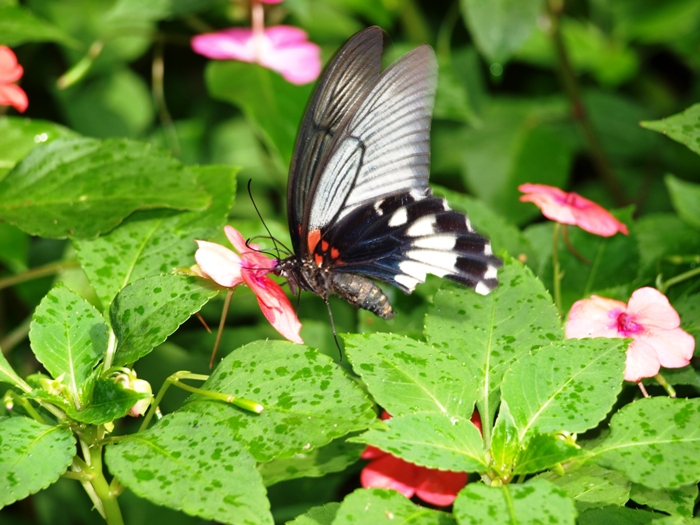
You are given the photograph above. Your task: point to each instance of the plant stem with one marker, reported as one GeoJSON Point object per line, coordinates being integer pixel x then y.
{"type": "Point", "coordinates": [113, 514]}
{"type": "Point", "coordinates": [678, 279]}
{"type": "Point", "coordinates": [222, 323]}
{"type": "Point", "coordinates": [556, 277]}
{"type": "Point", "coordinates": [35, 273]}
{"type": "Point", "coordinates": [111, 349]}
{"type": "Point", "coordinates": [574, 251]}
{"type": "Point", "coordinates": [580, 115]}
{"type": "Point", "coordinates": [667, 386]}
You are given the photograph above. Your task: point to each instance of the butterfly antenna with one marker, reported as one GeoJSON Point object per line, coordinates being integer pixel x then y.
{"type": "Point", "coordinates": [335, 334]}
{"type": "Point", "coordinates": [250, 194]}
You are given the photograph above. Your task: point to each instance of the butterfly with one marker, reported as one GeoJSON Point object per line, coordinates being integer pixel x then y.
{"type": "Point", "coordinates": [358, 201]}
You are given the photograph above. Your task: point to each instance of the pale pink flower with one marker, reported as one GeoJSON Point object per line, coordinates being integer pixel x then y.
{"type": "Point", "coordinates": [571, 208]}
{"type": "Point", "coordinates": [433, 486]}
{"type": "Point", "coordinates": [648, 318]}
{"type": "Point", "coordinates": [11, 71]}
{"type": "Point", "coordinates": [284, 49]}
{"type": "Point", "coordinates": [129, 381]}
{"type": "Point", "coordinates": [251, 267]}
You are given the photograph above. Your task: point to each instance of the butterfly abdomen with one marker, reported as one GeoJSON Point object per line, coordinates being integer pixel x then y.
{"type": "Point", "coordinates": [363, 293]}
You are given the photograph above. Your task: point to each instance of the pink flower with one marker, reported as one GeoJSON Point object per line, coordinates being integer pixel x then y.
{"type": "Point", "coordinates": [648, 318]}
{"type": "Point", "coordinates": [284, 49]}
{"type": "Point", "coordinates": [570, 208]}
{"type": "Point", "coordinates": [436, 487]}
{"type": "Point", "coordinates": [251, 267]}
{"type": "Point", "coordinates": [11, 71]}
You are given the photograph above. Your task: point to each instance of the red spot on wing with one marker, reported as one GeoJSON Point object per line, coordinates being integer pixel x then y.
{"type": "Point", "coordinates": [334, 253]}
{"type": "Point", "coordinates": [312, 240]}
{"type": "Point", "coordinates": [324, 246]}
{"type": "Point", "coordinates": [318, 258]}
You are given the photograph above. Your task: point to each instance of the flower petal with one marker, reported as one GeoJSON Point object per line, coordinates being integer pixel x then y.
{"type": "Point", "coordinates": [674, 348]}
{"type": "Point", "coordinates": [439, 487]}
{"type": "Point", "coordinates": [275, 306]}
{"type": "Point", "coordinates": [641, 361]}
{"type": "Point", "coordinates": [219, 263]}
{"type": "Point", "coordinates": [12, 95]}
{"type": "Point", "coordinates": [10, 70]}
{"type": "Point", "coordinates": [371, 452]}
{"type": "Point", "coordinates": [292, 55]}
{"type": "Point", "coordinates": [252, 259]}
{"type": "Point", "coordinates": [228, 44]}
{"type": "Point", "coordinates": [390, 472]}
{"type": "Point", "coordinates": [649, 307]}
{"type": "Point", "coordinates": [594, 317]}
{"type": "Point", "coordinates": [593, 218]}
{"type": "Point", "coordinates": [550, 205]}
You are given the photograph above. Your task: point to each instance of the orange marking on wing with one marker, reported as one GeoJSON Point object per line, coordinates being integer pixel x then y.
{"type": "Point", "coordinates": [334, 253]}
{"type": "Point", "coordinates": [324, 246]}
{"type": "Point", "coordinates": [312, 239]}
{"type": "Point", "coordinates": [319, 259]}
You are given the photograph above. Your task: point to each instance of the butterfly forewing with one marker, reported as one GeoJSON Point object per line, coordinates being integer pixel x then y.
{"type": "Point", "coordinates": [344, 85]}
{"type": "Point", "coordinates": [358, 197]}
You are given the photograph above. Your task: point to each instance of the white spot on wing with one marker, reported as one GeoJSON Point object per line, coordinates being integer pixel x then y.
{"type": "Point", "coordinates": [407, 281]}
{"type": "Point", "coordinates": [422, 227]}
{"type": "Point", "coordinates": [481, 288]}
{"type": "Point", "coordinates": [437, 263]}
{"type": "Point", "coordinates": [378, 207]}
{"type": "Point", "coordinates": [469, 224]}
{"type": "Point", "coordinates": [491, 273]}
{"type": "Point", "coordinates": [416, 194]}
{"type": "Point", "coordinates": [436, 242]}
{"type": "Point", "coordinates": [488, 250]}
{"type": "Point", "coordinates": [399, 218]}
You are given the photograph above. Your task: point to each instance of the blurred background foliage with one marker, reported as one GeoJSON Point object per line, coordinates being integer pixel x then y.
{"type": "Point", "coordinates": [529, 91]}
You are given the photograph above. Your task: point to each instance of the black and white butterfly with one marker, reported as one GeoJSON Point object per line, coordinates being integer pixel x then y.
{"type": "Point", "coordinates": [359, 204]}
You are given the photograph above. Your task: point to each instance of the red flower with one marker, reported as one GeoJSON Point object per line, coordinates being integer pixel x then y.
{"type": "Point", "coordinates": [434, 486]}
{"type": "Point", "coordinates": [251, 267]}
{"type": "Point", "coordinates": [284, 49]}
{"type": "Point", "coordinates": [11, 71]}
{"type": "Point", "coordinates": [570, 208]}
{"type": "Point", "coordinates": [648, 318]}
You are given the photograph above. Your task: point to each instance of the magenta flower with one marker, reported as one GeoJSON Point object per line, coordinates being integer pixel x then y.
{"type": "Point", "coordinates": [571, 208]}
{"type": "Point", "coordinates": [284, 49]}
{"type": "Point", "coordinates": [11, 71]}
{"type": "Point", "coordinates": [251, 267]}
{"type": "Point", "coordinates": [433, 486]}
{"type": "Point", "coordinates": [648, 318]}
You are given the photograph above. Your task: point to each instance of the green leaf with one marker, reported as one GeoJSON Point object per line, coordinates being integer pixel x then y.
{"type": "Point", "coordinates": [590, 50]}
{"type": "Point", "coordinates": [32, 456]}
{"type": "Point", "coordinates": [157, 9]}
{"type": "Point", "coordinates": [435, 441]}
{"type": "Point", "coordinates": [19, 25]}
{"type": "Point", "coordinates": [14, 248]}
{"type": "Point", "coordinates": [682, 127]}
{"type": "Point", "coordinates": [407, 376]}
{"type": "Point", "coordinates": [20, 135]}
{"type": "Point", "coordinates": [155, 242]}
{"type": "Point", "coordinates": [675, 520]}
{"type": "Point", "coordinates": [592, 486]}
{"type": "Point", "coordinates": [324, 515]}
{"type": "Point", "coordinates": [8, 375]}
{"type": "Point", "coordinates": [334, 457]}
{"type": "Point", "coordinates": [662, 235]}
{"type": "Point", "coordinates": [308, 399]}
{"type": "Point", "coordinates": [190, 462]}
{"type": "Point", "coordinates": [386, 507]}
{"type": "Point", "coordinates": [505, 445]}
{"type": "Point", "coordinates": [146, 312]}
{"type": "Point", "coordinates": [655, 442]}
{"type": "Point", "coordinates": [612, 261]}
{"type": "Point", "coordinates": [270, 103]}
{"type": "Point", "coordinates": [500, 27]}
{"type": "Point", "coordinates": [615, 516]}
{"type": "Point", "coordinates": [81, 187]}
{"type": "Point", "coordinates": [532, 503]}
{"type": "Point", "coordinates": [685, 197]}
{"type": "Point", "coordinates": [69, 337]}
{"type": "Point", "coordinates": [517, 143]}
{"type": "Point", "coordinates": [116, 104]}
{"type": "Point", "coordinates": [490, 333]}
{"type": "Point", "coordinates": [547, 389]}
{"type": "Point", "coordinates": [677, 502]}
{"type": "Point", "coordinates": [544, 451]}
{"type": "Point", "coordinates": [688, 308]}
{"type": "Point", "coordinates": [109, 401]}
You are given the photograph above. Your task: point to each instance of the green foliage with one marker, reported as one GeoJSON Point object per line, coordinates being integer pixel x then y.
{"type": "Point", "coordinates": [133, 147]}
